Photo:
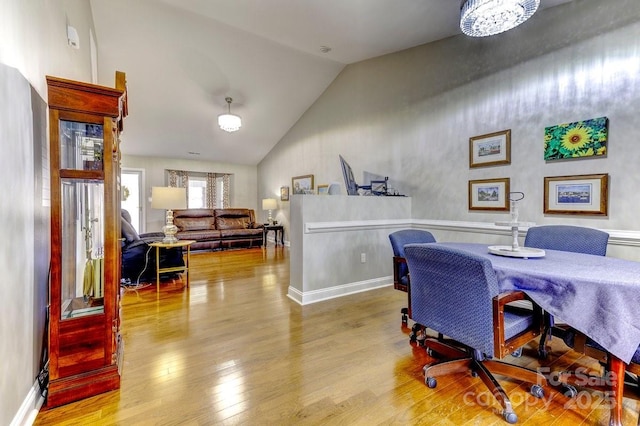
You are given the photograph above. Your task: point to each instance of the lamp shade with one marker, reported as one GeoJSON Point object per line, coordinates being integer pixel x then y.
{"type": "Point", "coordinates": [168, 198]}
{"type": "Point", "coordinates": [481, 18]}
{"type": "Point", "coordinates": [269, 204]}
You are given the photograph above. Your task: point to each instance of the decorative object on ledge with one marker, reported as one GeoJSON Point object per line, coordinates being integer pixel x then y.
{"type": "Point", "coordinates": [229, 122]}
{"type": "Point", "coordinates": [323, 189]}
{"type": "Point", "coordinates": [302, 184]}
{"type": "Point", "coordinates": [579, 195]}
{"type": "Point", "coordinates": [269, 204]}
{"type": "Point", "coordinates": [514, 250]}
{"type": "Point", "coordinates": [481, 18]}
{"type": "Point", "coordinates": [170, 199]}
{"type": "Point", "coordinates": [489, 194]}
{"type": "Point", "coordinates": [492, 149]}
{"type": "Point", "coordinates": [586, 138]}
{"type": "Point", "coordinates": [284, 193]}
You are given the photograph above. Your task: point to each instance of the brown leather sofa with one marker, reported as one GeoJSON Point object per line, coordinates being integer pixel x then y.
{"type": "Point", "coordinates": [218, 228]}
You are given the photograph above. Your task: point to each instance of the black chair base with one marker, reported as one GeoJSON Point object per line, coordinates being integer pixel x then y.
{"type": "Point", "coordinates": [461, 359]}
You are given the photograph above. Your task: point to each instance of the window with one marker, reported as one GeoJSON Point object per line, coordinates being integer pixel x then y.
{"type": "Point", "coordinates": [204, 190]}
{"type": "Point", "coordinates": [197, 192]}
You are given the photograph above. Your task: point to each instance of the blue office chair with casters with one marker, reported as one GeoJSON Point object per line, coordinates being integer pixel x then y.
{"type": "Point", "coordinates": [457, 294]}
{"type": "Point", "coordinates": [575, 239]}
{"type": "Point", "coordinates": [401, 280]}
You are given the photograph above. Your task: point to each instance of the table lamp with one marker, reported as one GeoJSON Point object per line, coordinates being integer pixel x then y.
{"type": "Point", "coordinates": [169, 198]}
{"type": "Point", "coordinates": [269, 204]}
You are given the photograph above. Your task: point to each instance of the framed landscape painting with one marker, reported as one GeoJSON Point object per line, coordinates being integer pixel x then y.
{"type": "Point", "coordinates": [492, 149]}
{"type": "Point", "coordinates": [302, 184]}
{"type": "Point", "coordinates": [489, 194]}
{"type": "Point", "coordinates": [581, 139]}
{"type": "Point", "coordinates": [580, 194]}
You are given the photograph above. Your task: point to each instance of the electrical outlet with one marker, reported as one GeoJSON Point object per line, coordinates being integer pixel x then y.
{"type": "Point", "coordinates": [363, 257]}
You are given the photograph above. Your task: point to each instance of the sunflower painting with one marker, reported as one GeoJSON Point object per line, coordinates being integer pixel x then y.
{"type": "Point", "coordinates": [573, 140]}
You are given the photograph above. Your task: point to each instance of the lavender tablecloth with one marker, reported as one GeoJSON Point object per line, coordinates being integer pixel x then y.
{"type": "Point", "coordinates": [597, 295]}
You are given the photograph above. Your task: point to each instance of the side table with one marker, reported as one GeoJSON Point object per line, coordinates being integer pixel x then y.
{"type": "Point", "coordinates": [181, 243]}
{"type": "Point", "coordinates": [276, 229]}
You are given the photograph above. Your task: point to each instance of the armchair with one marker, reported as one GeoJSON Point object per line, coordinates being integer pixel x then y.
{"type": "Point", "coordinates": [398, 240]}
{"type": "Point", "coordinates": [575, 239]}
{"type": "Point", "coordinates": [138, 261]}
{"type": "Point", "coordinates": [457, 294]}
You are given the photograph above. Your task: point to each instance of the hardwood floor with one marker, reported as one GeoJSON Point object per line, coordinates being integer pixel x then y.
{"type": "Point", "coordinates": [233, 349]}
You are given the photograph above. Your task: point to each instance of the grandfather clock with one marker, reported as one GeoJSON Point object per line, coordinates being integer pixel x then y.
{"type": "Point", "coordinates": [85, 346]}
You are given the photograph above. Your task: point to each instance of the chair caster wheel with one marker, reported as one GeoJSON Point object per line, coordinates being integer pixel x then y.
{"type": "Point", "coordinates": [510, 416]}
{"type": "Point", "coordinates": [405, 316]}
{"type": "Point", "coordinates": [517, 353]}
{"type": "Point", "coordinates": [431, 382]}
{"type": "Point", "coordinates": [569, 391]}
{"type": "Point", "coordinates": [432, 353]}
{"type": "Point", "coordinates": [543, 354]}
{"type": "Point", "coordinates": [537, 391]}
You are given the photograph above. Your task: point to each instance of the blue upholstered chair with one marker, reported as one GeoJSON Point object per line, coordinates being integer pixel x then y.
{"type": "Point", "coordinates": [575, 239]}
{"type": "Point", "coordinates": [400, 271]}
{"type": "Point", "coordinates": [456, 293]}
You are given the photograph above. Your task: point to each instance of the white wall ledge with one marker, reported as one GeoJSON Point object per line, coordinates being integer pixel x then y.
{"type": "Point", "coordinates": [618, 237]}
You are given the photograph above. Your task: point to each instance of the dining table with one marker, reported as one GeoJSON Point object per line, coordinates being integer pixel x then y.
{"type": "Point", "coordinates": [598, 296]}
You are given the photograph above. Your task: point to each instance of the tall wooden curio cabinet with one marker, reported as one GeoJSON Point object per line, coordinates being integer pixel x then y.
{"type": "Point", "coordinates": [85, 346]}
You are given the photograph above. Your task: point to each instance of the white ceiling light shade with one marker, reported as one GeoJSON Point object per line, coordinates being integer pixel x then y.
{"type": "Point", "coordinates": [229, 122]}
{"type": "Point", "coordinates": [481, 18]}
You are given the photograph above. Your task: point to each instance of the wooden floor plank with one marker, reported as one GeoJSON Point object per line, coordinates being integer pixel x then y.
{"type": "Point", "coordinates": [233, 349]}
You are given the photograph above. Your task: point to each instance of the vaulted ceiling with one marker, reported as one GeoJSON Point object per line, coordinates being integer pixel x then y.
{"type": "Point", "coordinates": [183, 57]}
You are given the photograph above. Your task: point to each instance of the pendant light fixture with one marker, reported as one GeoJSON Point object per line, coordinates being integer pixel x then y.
{"type": "Point", "coordinates": [229, 122]}
{"type": "Point", "coordinates": [481, 18]}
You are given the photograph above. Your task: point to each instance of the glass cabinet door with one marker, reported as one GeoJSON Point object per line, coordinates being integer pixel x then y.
{"type": "Point", "coordinates": [82, 220]}
{"type": "Point", "coordinates": [81, 146]}
{"type": "Point", "coordinates": [82, 248]}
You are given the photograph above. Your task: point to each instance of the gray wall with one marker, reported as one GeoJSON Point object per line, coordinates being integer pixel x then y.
{"type": "Point", "coordinates": [409, 115]}
{"type": "Point", "coordinates": [33, 43]}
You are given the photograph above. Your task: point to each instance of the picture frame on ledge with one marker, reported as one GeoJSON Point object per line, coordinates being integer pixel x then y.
{"type": "Point", "coordinates": [302, 184]}
{"type": "Point", "coordinates": [492, 149]}
{"type": "Point", "coordinates": [577, 195]}
{"type": "Point", "coordinates": [323, 189]}
{"type": "Point", "coordinates": [489, 194]}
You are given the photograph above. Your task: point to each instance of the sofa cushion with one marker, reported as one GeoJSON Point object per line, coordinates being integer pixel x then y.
{"type": "Point", "coordinates": [194, 223]}
{"type": "Point", "coordinates": [241, 233]}
{"type": "Point", "coordinates": [200, 235]}
{"type": "Point", "coordinates": [232, 223]}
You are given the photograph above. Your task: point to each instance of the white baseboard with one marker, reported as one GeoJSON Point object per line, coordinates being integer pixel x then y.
{"type": "Point", "coordinates": [314, 296]}
{"type": "Point", "coordinates": [30, 407]}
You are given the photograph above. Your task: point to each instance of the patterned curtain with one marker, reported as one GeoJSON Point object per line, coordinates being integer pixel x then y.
{"type": "Point", "coordinates": [226, 186]}
{"type": "Point", "coordinates": [212, 191]}
{"type": "Point", "coordinates": [179, 179]}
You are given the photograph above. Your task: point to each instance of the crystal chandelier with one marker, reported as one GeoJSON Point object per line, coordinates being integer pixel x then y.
{"type": "Point", "coordinates": [229, 122]}
{"type": "Point", "coordinates": [480, 18]}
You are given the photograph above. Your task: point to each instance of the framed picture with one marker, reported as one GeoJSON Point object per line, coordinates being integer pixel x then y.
{"type": "Point", "coordinates": [302, 184]}
{"type": "Point", "coordinates": [489, 194]}
{"type": "Point", "coordinates": [580, 194]}
{"type": "Point", "coordinates": [323, 189]}
{"type": "Point", "coordinates": [586, 138]}
{"type": "Point", "coordinates": [492, 149]}
{"type": "Point", "coordinates": [284, 193]}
